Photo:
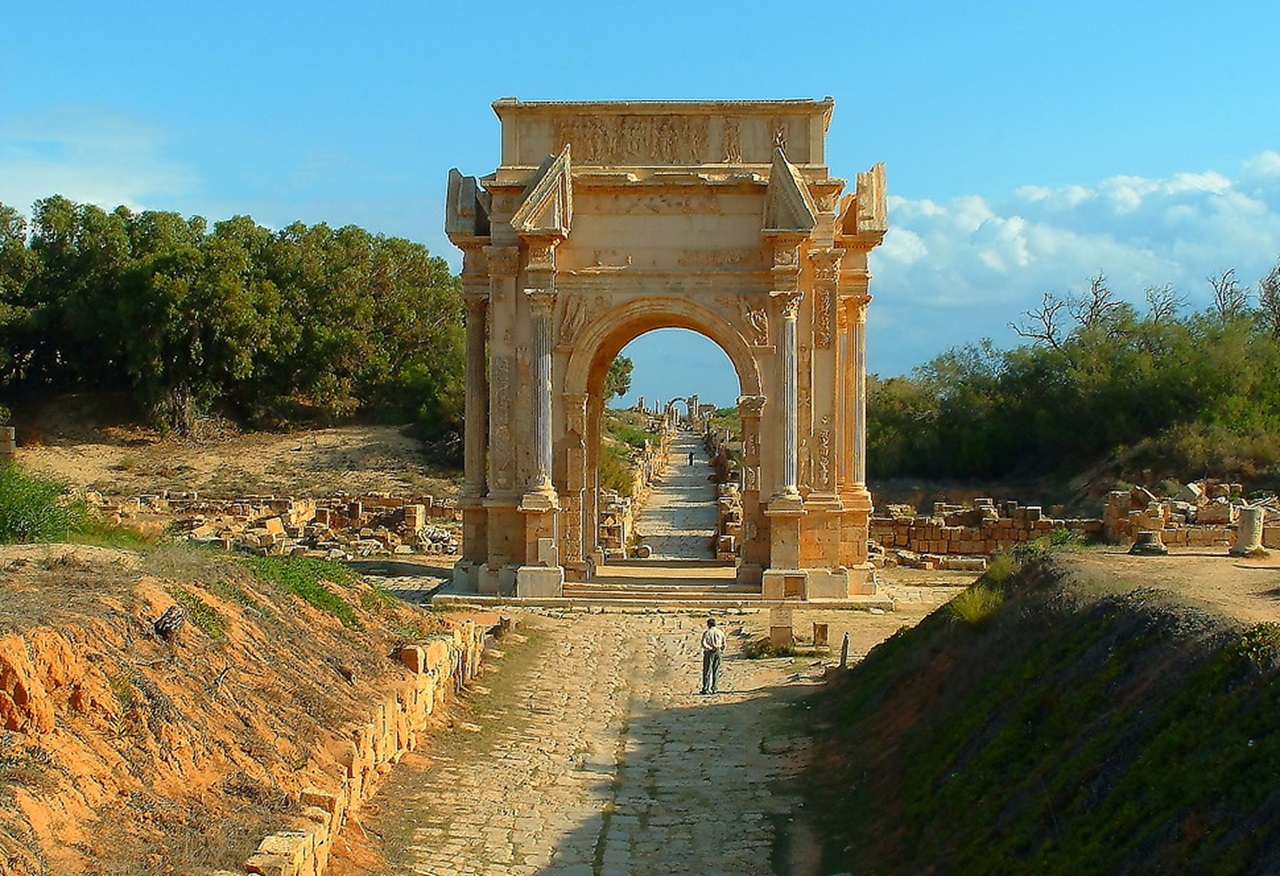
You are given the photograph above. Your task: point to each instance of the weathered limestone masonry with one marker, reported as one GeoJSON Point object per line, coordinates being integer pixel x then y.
{"type": "Point", "coordinates": [438, 670]}
{"type": "Point", "coordinates": [606, 220]}
{"type": "Point", "coordinates": [1202, 515]}
{"type": "Point", "coordinates": [336, 528]}
{"type": "Point", "coordinates": [971, 531]}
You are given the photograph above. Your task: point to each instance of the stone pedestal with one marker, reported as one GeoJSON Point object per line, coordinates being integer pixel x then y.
{"type": "Point", "coordinates": [1249, 534]}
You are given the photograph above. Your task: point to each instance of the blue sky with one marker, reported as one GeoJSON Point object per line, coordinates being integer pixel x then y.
{"type": "Point", "coordinates": [1028, 145]}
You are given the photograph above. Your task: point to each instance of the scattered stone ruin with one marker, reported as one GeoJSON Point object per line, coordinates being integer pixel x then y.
{"type": "Point", "coordinates": [337, 528]}
{"type": "Point", "coordinates": [1203, 514]}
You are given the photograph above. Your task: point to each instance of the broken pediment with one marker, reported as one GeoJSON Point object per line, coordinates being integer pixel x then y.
{"type": "Point", "coordinates": [547, 208]}
{"type": "Point", "coordinates": [865, 212]}
{"type": "Point", "coordinates": [788, 205]}
{"type": "Point", "coordinates": [466, 211]}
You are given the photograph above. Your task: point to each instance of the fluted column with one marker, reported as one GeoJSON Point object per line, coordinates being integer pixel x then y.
{"type": "Point", "coordinates": [858, 345]}
{"type": "Point", "coordinates": [541, 304]}
{"type": "Point", "coordinates": [790, 378]}
{"type": "Point", "coordinates": [477, 398]}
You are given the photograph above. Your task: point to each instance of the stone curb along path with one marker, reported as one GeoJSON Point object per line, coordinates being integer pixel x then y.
{"type": "Point", "coordinates": [438, 670]}
{"type": "Point", "coordinates": [596, 756]}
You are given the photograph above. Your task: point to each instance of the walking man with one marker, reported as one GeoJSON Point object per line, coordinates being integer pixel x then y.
{"type": "Point", "coordinates": [713, 644]}
{"type": "Point", "coordinates": [691, 458]}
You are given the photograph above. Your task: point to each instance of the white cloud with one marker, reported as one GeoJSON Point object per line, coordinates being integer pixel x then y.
{"type": "Point", "coordinates": [88, 155]}
{"type": "Point", "coordinates": [953, 272]}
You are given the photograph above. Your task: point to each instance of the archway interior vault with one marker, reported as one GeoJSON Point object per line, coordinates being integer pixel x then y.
{"type": "Point", "coordinates": [606, 220]}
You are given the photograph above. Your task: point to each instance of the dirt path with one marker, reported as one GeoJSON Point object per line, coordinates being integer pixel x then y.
{"type": "Point", "coordinates": [679, 517]}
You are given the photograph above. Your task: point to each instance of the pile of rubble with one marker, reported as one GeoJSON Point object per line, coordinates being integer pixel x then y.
{"type": "Point", "coordinates": [729, 502]}
{"type": "Point", "coordinates": [617, 518]}
{"type": "Point", "coordinates": [337, 528]}
{"type": "Point", "coordinates": [1202, 514]}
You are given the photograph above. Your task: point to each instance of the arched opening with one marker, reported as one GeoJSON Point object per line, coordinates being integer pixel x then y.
{"type": "Point", "coordinates": [662, 454]}
{"type": "Point", "coordinates": [680, 351]}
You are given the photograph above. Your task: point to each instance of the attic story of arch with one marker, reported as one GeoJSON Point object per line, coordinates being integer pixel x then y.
{"type": "Point", "coordinates": [608, 219]}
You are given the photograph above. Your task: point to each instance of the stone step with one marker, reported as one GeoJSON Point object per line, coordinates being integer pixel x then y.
{"type": "Point", "coordinates": [699, 592]}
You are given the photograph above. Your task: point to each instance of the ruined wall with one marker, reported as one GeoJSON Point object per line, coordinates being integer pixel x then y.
{"type": "Point", "coordinates": [439, 670]}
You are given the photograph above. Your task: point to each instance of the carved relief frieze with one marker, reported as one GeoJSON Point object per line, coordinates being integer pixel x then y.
{"type": "Point", "coordinates": [731, 138]}
{"type": "Point", "coordinates": [822, 322]}
{"type": "Point", "coordinates": [571, 522]}
{"type": "Point", "coordinates": [824, 458]}
{"type": "Point", "coordinates": [758, 319]}
{"type": "Point", "coordinates": [575, 415]}
{"type": "Point", "coordinates": [751, 477]}
{"type": "Point", "coordinates": [751, 405]}
{"type": "Point", "coordinates": [634, 139]}
{"type": "Point", "coordinates": [751, 447]}
{"type": "Point", "coordinates": [718, 258]}
{"type": "Point", "coordinates": [577, 310]}
{"type": "Point", "coordinates": [780, 129]}
{"type": "Point", "coordinates": [500, 455]}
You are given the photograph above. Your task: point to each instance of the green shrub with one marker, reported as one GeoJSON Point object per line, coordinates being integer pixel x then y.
{"type": "Point", "coordinates": [616, 471]}
{"type": "Point", "coordinates": [978, 604]}
{"type": "Point", "coordinates": [306, 577]}
{"type": "Point", "coordinates": [204, 617]}
{"type": "Point", "coordinates": [36, 509]}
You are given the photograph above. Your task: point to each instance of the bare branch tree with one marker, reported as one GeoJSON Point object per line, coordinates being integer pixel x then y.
{"type": "Point", "coordinates": [1269, 301]}
{"type": "Point", "coordinates": [1097, 307]}
{"type": "Point", "coordinates": [1042, 324]}
{"type": "Point", "coordinates": [1230, 299]}
{"type": "Point", "coordinates": [1164, 302]}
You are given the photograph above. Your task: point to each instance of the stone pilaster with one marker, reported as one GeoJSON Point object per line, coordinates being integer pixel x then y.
{"type": "Point", "coordinates": [477, 397]}
{"type": "Point", "coordinates": [541, 304]}
{"type": "Point", "coordinates": [789, 488]}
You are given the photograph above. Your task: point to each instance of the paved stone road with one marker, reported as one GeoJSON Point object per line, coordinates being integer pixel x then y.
{"type": "Point", "coordinates": [593, 755]}
{"type": "Point", "coordinates": [679, 516]}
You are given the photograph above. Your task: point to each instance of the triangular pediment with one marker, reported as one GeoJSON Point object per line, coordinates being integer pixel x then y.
{"type": "Point", "coordinates": [466, 207]}
{"type": "Point", "coordinates": [547, 208]}
{"type": "Point", "coordinates": [788, 206]}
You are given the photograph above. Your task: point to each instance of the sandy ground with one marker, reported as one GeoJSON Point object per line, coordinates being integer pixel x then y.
{"type": "Point", "coordinates": [1246, 589]}
{"type": "Point", "coordinates": [130, 462]}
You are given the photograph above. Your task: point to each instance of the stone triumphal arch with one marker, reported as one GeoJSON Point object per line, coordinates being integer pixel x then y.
{"type": "Point", "coordinates": [608, 219]}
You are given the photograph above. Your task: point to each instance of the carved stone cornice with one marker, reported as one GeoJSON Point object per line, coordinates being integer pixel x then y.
{"type": "Point", "coordinates": [541, 252]}
{"type": "Point", "coordinates": [541, 301]}
{"type": "Point", "coordinates": [790, 300]}
{"type": "Point", "coordinates": [504, 261]}
{"type": "Point", "coordinates": [826, 264]}
{"type": "Point", "coordinates": [751, 405]}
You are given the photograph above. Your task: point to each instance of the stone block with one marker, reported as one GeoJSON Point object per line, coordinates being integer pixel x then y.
{"type": "Point", "coordinates": [414, 657]}
{"type": "Point", "coordinates": [534, 582]}
{"type": "Point", "coordinates": [781, 637]}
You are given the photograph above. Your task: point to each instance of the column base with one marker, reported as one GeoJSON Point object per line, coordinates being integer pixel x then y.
{"type": "Point", "coordinates": [539, 582]}
{"type": "Point", "coordinates": [778, 585]}
{"type": "Point", "coordinates": [466, 576]}
{"type": "Point", "coordinates": [750, 574]}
